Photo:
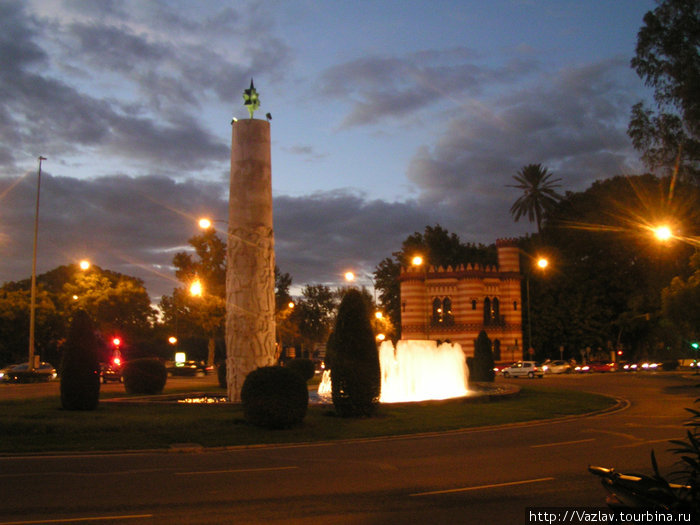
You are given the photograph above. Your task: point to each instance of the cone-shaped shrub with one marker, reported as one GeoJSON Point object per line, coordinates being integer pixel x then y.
{"type": "Point", "coordinates": [80, 365]}
{"type": "Point", "coordinates": [146, 376]}
{"type": "Point", "coordinates": [274, 397]}
{"type": "Point", "coordinates": [354, 360]}
{"type": "Point", "coordinates": [482, 365]}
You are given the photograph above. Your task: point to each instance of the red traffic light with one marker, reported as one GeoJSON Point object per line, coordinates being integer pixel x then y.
{"type": "Point", "coordinates": [116, 341]}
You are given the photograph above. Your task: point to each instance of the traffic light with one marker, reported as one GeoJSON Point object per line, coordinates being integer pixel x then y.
{"type": "Point", "coordinates": [695, 345]}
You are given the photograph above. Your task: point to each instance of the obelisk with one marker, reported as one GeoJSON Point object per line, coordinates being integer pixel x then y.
{"type": "Point", "coordinates": [250, 266]}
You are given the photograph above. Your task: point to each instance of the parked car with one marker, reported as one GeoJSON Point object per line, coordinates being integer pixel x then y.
{"type": "Point", "coordinates": [596, 366]}
{"type": "Point", "coordinates": [626, 366]}
{"type": "Point", "coordinates": [557, 367]}
{"type": "Point", "coordinates": [110, 372]}
{"type": "Point", "coordinates": [20, 373]}
{"type": "Point", "coordinates": [498, 367]}
{"type": "Point", "coordinates": [186, 368]}
{"type": "Point", "coordinates": [523, 369]}
{"type": "Point", "coordinates": [602, 366]}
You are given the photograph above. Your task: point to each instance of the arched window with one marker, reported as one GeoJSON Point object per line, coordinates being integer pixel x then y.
{"type": "Point", "coordinates": [515, 305]}
{"type": "Point", "coordinates": [473, 304]}
{"type": "Point", "coordinates": [437, 311]}
{"type": "Point", "coordinates": [496, 310]}
{"type": "Point", "coordinates": [487, 311]}
{"type": "Point", "coordinates": [447, 316]}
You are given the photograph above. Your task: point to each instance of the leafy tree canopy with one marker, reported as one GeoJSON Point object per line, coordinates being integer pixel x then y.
{"type": "Point", "coordinates": [603, 285]}
{"type": "Point", "coordinates": [668, 60]}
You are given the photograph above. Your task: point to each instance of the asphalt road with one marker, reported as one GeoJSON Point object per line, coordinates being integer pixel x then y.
{"type": "Point", "coordinates": [482, 476]}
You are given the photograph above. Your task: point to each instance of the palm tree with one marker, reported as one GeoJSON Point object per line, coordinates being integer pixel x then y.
{"type": "Point", "coordinates": [538, 193]}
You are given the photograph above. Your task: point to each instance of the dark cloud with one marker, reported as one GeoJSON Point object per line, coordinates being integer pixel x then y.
{"type": "Point", "coordinates": [136, 225]}
{"type": "Point", "coordinates": [381, 87]}
{"type": "Point", "coordinates": [572, 121]}
{"type": "Point", "coordinates": [67, 88]}
{"type": "Point", "coordinates": [320, 236]}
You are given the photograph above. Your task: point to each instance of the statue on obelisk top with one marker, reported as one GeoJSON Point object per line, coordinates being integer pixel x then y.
{"type": "Point", "coordinates": [251, 99]}
{"type": "Point", "coordinates": [250, 272]}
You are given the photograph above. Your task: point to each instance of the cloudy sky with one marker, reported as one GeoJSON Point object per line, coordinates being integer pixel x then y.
{"type": "Point", "coordinates": [388, 116]}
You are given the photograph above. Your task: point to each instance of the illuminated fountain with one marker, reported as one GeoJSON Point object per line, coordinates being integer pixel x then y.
{"type": "Point", "coordinates": [416, 371]}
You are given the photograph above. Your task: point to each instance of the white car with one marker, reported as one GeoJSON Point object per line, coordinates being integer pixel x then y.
{"type": "Point", "coordinates": [523, 369]}
{"type": "Point", "coordinates": [557, 367]}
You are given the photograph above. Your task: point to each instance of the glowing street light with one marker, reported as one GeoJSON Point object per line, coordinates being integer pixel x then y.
{"type": "Point", "coordinates": [172, 340]}
{"type": "Point", "coordinates": [542, 263]}
{"type": "Point", "coordinates": [205, 223]}
{"type": "Point", "coordinates": [662, 233]}
{"type": "Point", "coordinates": [417, 260]}
{"type": "Point", "coordinates": [349, 276]}
{"type": "Point", "coordinates": [84, 264]}
{"type": "Point", "coordinates": [196, 288]}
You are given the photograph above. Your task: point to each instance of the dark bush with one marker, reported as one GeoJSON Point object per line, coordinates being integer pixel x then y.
{"type": "Point", "coordinates": [302, 366]}
{"type": "Point", "coordinates": [355, 373]}
{"type": "Point", "coordinates": [274, 397]}
{"type": "Point", "coordinates": [482, 364]}
{"type": "Point", "coordinates": [80, 365]}
{"type": "Point", "coordinates": [221, 374]}
{"type": "Point", "coordinates": [146, 375]}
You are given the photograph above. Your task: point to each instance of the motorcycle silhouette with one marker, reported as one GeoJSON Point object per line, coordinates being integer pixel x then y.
{"type": "Point", "coordinates": [636, 491]}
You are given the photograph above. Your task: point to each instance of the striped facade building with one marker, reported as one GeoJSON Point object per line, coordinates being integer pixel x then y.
{"type": "Point", "coordinates": [455, 304]}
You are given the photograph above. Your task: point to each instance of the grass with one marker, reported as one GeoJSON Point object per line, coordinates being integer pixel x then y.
{"type": "Point", "coordinates": [41, 425]}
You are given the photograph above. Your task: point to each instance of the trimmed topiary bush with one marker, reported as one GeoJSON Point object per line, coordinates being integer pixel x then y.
{"type": "Point", "coordinates": [274, 397]}
{"type": "Point", "coordinates": [146, 375]}
{"type": "Point", "coordinates": [354, 360]}
{"type": "Point", "coordinates": [302, 366]}
{"type": "Point", "coordinates": [80, 365]}
{"type": "Point", "coordinates": [482, 365]}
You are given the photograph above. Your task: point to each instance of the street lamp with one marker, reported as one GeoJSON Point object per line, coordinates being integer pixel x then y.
{"type": "Point", "coordinates": [196, 288]}
{"type": "Point", "coordinates": [542, 264]}
{"type": "Point", "coordinates": [84, 264]}
{"type": "Point", "coordinates": [417, 260]}
{"type": "Point", "coordinates": [662, 233]}
{"type": "Point", "coordinates": [32, 304]}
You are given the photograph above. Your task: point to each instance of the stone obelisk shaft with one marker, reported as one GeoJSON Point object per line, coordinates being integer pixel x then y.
{"type": "Point", "coordinates": [250, 276]}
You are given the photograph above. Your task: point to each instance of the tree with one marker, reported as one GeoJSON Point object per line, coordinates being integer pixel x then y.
{"type": "Point", "coordinates": [314, 314]}
{"type": "Point", "coordinates": [668, 61]}
{"type": "Point", "coordinates": [353, 359]}
{"type": "Point", "coordinates": [203, 315]}
{"type": "Point", "coordinates": [607, 270]}
{"type": "Point", "coordinates": [80, 367]}
{"type": "Point", "coordinates": [538, 196]}
{"type": "Point", "coordinates": [116, 303]}
{"type": "Point", "coordinates": [681, 303]}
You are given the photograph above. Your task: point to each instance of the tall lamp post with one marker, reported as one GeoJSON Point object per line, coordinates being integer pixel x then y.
{"type": "Point", "coordinates": [542, 263]}
{"type": "Point", "coordinates": [32, 304]}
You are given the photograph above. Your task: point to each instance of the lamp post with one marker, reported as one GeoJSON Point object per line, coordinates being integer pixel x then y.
{"type": "Point", "coordinates": [418, 261]}
{"type": "Point", "coordinates": [32, 304]}
{"type": "Point", "coordinates": [542, 263]}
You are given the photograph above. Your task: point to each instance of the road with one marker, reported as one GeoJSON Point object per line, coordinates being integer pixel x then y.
{"type": "Point", "coordinates": [489, 475]}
